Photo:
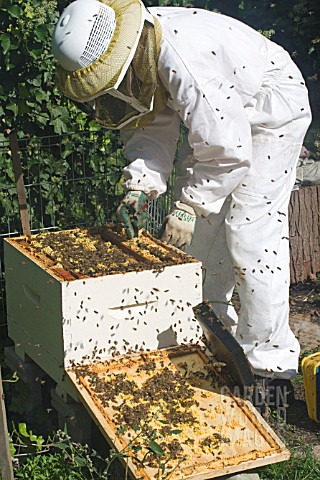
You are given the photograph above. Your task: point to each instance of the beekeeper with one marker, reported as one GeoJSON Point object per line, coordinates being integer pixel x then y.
{"type": "Point", "coordinates": [245, 105]}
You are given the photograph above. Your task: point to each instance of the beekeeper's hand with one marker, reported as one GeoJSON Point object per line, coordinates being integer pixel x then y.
{"type": "Point", "coordinates": [132, 212]}
{"type": "Point", "coordinates": [178, 227]}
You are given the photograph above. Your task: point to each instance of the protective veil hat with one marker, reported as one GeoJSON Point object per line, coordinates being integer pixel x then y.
{"type": "Point", "coordinates": [113, 73]}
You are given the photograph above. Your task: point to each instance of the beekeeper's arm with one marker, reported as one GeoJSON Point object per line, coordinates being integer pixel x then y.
{"type": "Point", "coordinates": [150, 151]}
{"type": "Point", "coordinates": [219, 134]}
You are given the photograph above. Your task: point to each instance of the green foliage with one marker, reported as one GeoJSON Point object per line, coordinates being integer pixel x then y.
{"type": "Point", "coordinates": [75, 181]}
{"type": "Point", "coordinates": [56, 458]}
{"type": "Point", "coordinates": [311, 351]}
{"type": "Point", "coordinates": [71, 180]}
{"type": "Point", "coordinates": [26, 90]}
{"type": "Point", "coordinates": [25, 438]}
{"type": "Point", "coordinates": [29, 101]}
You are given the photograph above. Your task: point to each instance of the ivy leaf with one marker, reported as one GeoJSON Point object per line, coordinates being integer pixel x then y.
{"type": "Point", "coordinates": [41, 33]}
{"type": "Point", "coordinates": [14, 108]}
{"type": "Point", "coordinates": [40, 95]}
{"type": "Point", "coordinates": [5, 42]}
{"type": "Point", "coordinates": [35, 53]}
{"type": "Point", "coordinates": [12, 449]}
{"type": "Point", "coordinates": [14, 11]}
{"type": "Point", "coordinates": [40, 440]}
{"type": "Point", "coordinates": [59, 126]}
{"type": "Point", "coordinates": [23, 429]}
{"type": "Point", "coordinates": [43, 118]}
{"type": "Point", "coordinates": [36, 81]}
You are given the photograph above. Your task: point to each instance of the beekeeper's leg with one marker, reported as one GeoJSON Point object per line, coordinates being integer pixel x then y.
{"type": "Point", "coordinates": [257, 226]}
{"type": "Point", "coordinates": [257, 235]}
{"type": "Point", "coordinates": [210, 246]}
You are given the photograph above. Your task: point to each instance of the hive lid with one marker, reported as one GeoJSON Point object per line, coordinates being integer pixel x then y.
{"type": "Point", "coordinates": [175, 410]}
{"type": "Point", "coordinates": [224, 346]}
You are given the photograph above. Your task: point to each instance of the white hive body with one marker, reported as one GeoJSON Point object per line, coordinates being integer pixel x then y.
{"type": "Point", "coordinates": [58, 320]}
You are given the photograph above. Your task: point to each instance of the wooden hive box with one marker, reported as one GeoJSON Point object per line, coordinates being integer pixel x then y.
{"type": "Point", "coordinates": [59, 315]}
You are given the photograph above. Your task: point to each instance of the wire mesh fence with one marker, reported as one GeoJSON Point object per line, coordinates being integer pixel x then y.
{"type": "Point", "coordinates": [70, 181]}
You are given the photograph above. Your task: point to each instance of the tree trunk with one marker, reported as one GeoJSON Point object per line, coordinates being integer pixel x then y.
{"type": "Point", "coordinates": [304, 223]}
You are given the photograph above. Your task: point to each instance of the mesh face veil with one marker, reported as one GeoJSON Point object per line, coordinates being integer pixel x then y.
{"type": "Point", "coordinates": [83, 33]}
{"type": "Point", "coordinates": [100, 36]}
{"type": "Point", "coordinates": [119, 84]}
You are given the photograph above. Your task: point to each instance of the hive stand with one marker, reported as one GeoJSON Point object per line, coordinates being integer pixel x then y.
{"type": "Point", "coordinates": [30, 374]}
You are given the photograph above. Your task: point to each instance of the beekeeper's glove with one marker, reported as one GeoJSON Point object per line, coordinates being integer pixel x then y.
{"type": "Point", "coordinates": [178, 226]}
{"type": "Point", "coordinates": [132, 212]}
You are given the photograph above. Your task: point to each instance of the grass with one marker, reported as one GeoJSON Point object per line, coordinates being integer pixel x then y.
{"type": "Point", "coordinates": [301, 466]}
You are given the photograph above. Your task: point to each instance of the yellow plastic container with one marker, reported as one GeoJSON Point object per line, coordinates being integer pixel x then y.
{"type": "Point", "coordinates": [311, 378]}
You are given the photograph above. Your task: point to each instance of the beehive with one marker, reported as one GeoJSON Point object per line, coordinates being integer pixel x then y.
{"type": "Point", "coordinates": [64, 312]}
{"type": "Point", "coordinates": [96, 310]}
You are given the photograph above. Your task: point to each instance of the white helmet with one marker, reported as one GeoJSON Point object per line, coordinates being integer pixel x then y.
{"type": "Point", "coordinates": [83, 33]}
{"type": "Point", "coordinates": [107, 52]}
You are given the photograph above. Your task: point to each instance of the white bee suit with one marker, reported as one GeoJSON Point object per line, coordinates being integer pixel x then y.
{"type": "Point", "coordinates": [246, 107]}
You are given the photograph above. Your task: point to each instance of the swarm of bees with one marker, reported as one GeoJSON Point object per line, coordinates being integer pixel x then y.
{"type": "Point", "coordinates": [165, 387]}
{"type": "Point", "coordinates": [161, 404]}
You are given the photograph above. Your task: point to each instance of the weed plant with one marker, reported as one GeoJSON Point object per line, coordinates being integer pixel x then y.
{"type": "Point", "coordinates": [60, 458]}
